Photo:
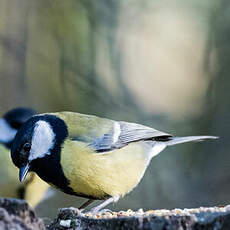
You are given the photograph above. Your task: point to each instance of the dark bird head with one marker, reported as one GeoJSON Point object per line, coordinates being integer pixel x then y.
{"type": "Point", "coordinates": [37, 143]}
{"type": "Point", "coordinates": [11, 122]}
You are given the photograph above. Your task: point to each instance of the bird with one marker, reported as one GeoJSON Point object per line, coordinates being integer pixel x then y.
{"type": "Point", "coordinates": [34, 190]}
{"type": "Point", "coordinates": [89, 156]}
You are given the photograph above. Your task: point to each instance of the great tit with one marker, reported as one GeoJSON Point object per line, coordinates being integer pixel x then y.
{"type": "Point", "coordinates": [89, 156]}
{"type": "Point", "coordinates": [9, 185]}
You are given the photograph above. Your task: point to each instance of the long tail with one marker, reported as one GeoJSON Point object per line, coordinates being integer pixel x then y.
{"type": "Point", "coordinates": [180, 140]}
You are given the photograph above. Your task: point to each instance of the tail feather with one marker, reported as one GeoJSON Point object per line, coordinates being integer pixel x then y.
{"type": "Point", "coordinates": [180, 140]}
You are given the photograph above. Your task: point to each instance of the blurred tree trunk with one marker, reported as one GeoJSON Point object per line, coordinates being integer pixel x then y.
{"type": "Point", "coordinates": [218, 113]}
{"type": "Point", "coordinates": [77, 41]}
{"type": "Point", "coordinates": [13, 38]}
{"type": "Point", "coordinates": [212, 159]}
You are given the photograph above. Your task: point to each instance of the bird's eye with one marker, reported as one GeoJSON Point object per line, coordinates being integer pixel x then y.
{"type": "Point", "coordinates": [27, 147]}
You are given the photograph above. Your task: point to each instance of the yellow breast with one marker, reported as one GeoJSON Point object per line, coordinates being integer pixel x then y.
{"type": "Point", "coordinates": [112, 173]}
{"type": "Point", "coordinates": [36, 190]}
{"type": "Point", "coordinates": [8, 172]}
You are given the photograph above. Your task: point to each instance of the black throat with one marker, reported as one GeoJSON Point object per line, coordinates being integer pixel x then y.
{"type": "Point", "coordinates": [49, 168]}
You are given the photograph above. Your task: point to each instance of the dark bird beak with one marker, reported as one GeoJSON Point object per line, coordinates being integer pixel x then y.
{"type": "Point", "coordinates": [23, 172]}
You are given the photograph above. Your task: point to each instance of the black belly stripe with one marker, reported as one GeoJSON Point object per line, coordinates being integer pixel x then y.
{"type": "Point", "coordinates": [51, 171]}
{"type": "Point", "coordinates": [106, 196]}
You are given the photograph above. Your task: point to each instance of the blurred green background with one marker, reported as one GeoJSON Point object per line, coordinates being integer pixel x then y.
{"type": "Point", "coordinates": [162, 63]}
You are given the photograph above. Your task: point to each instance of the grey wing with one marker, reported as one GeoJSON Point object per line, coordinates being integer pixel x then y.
{"type": "Point", "coordinates": [124, 133]}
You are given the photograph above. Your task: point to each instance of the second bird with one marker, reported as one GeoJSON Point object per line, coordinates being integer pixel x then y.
{"type": "Point", "coordinates": [88, 156]}
{"type": "Point", "coordinates": [34, 189]}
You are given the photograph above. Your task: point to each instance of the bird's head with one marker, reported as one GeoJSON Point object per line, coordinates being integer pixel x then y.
{"type": "Point", "coordinates": [11, 122]}
{"type": "Point", "coordinates": [37, 139]}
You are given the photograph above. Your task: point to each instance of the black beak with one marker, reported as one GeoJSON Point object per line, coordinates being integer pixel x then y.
{"type": "Point", "coordinates": [23, 172]}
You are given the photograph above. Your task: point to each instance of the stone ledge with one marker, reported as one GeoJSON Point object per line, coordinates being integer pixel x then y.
{"type": "Point", "coordinates": [178, 219]}
{"type": "Point", "coordinates": [16, 214]}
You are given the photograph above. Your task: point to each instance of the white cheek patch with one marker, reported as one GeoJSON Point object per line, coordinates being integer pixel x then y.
{"type": "Point", "coordinates": [42, 140]}
{"type": "Point", "coordinates": [7, 133]}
